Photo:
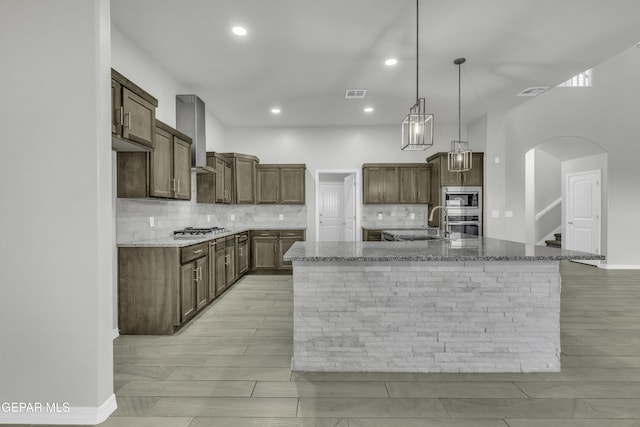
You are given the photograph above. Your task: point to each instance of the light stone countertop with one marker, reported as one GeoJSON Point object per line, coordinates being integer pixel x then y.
{"type": "Point", "coordinates": [170, 241]}
{"type": "Point", "coordinates": [470, 249]}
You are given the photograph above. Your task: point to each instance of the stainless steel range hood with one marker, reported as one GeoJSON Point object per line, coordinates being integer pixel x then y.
{"type": "Point", "coordinates": [190, 121]}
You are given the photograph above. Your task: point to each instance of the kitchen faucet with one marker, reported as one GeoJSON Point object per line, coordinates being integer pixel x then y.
{"type": "Point", "coordinates": [447, 231]}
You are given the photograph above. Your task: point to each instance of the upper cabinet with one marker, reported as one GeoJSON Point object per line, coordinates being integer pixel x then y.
{"type": "Point", "coordinates": [165, 172]}
{"type": "Point", "coordinates": [445, 178]}
{"type": "Point", "coordinates": [242, 177]}
{"type": "Point", "coordinates": [280, 184]}
{"type": "Point", "coordinates": [398, 183]}
{"type": "Point", "coordinates": [133, 115]}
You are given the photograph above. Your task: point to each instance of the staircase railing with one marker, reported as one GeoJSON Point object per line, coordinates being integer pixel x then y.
{"type": "Point", "coordinates": [549, 208]}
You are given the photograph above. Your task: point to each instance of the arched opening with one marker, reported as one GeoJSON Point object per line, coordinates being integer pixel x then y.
{"type": "Point", "coordinates": [548, 164]}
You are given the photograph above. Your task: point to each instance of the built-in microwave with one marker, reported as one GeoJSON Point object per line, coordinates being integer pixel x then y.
{"type": "Point", "coordinates": [462, 198]}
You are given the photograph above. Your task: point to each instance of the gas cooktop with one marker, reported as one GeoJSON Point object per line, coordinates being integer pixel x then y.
{"type": "Point", "coordinates": [191, 232]}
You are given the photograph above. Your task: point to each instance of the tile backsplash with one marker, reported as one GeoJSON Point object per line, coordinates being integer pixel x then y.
{"type": "Point", "coordinates": [393, 216]}
{"type": "Point", "coordinates": [133, 216]}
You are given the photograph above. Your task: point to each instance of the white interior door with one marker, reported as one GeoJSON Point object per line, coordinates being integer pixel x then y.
{"type": "Point", "coordinates": [331, 212]}
{"type": "Point", "coordinates": [350, 208]}
{"type": "Point", "coordinates": [582, 228]}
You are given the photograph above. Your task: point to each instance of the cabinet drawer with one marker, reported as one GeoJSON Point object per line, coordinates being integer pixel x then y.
{"type": "Point", "coordinates": [242, 237]}
{"type": "Point", "coordinates": [192, 252]}
{"type": "Point", "coordinates": [293, 234]}
{"type": "Point", "coordinates": [264, 233]}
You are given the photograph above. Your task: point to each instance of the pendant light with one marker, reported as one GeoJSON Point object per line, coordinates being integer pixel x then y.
{"type": "Point", "coordinates": [417, 127]}
{"type": "Point", "coordinates": [460, 154]}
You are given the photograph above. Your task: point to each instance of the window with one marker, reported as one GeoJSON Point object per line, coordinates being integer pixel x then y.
{"type": "Point", "coordinates": [583, 79]}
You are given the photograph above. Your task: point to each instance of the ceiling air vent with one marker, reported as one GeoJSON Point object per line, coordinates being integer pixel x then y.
{"type": "Point", "coordinates": [533, 91]}
{"type": "Point", "coordinates": [355, 94]}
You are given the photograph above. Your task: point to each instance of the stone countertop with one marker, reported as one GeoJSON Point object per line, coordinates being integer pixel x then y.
{"type": "Point", "coordinates": [170, 241]}
{"type": "Point", "coordinates": [469, 249]}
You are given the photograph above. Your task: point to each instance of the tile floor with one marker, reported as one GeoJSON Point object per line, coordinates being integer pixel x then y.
{"type": "Point", "coordinates": [230, 368]}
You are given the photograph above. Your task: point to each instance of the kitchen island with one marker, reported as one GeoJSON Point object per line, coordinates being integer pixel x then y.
{"type": "Point", "coordinates": [466, 305]}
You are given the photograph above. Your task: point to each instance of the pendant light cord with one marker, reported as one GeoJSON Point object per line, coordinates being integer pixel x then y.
{"type": "Point", "coordinates": [417, 45]}
{"type": "Point", "coordinates": [459, 133]}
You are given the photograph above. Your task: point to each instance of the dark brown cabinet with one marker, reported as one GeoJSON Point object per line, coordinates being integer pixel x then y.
{"type": "Point", "coordinates": [445, 178]}
{"type": "Point", "coordinates": [281, 184]}
{"type": "Point", "coordinates": [242, 253]}
{"type": "Point", "coordinates": [220, 262]}
{"type": "Point", "coordinates": [241, 177]}
{"type": "Point", "coordinates": [194, 280]}
{"type": "Point", "coordinates": [269, 246]}
{"type": "Point", "coordinates": [133, 115]}
{"type": "Point", "coordinates": [230, 262]}
{"type": "Point", "coordinates": [370, 235]}
{"type": "Point", "coordinates": [414, 184]}
{"type": "Point", "coordinates": [165, 172]}
{"type": "Point", "coordinates": [396, 183]}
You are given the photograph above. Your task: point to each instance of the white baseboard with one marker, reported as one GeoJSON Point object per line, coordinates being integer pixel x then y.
{"type": "Point", "coordinates": [63, 415]}
{"type": "Point", "coordinates": [116, 333]}
{"type": "Point", "coordinates": [620, 266]}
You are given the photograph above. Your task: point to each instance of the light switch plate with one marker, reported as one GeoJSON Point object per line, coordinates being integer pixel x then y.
{"type": "Point", "coordinates": [496, 160]}
{"type": "Point", "coordinates": [208, 218]}
{"type": "Point", "coordinates": [495, 214]}
{"type": "Point", "coordinates": [281, 217]}
{"type": "Point", "coordinates": [232, 217]}
{"type": "Point", "coordinates": [152, 222]}
{"type": "Point", "coordinates": [379, 216]}
{"type": "Point", "coordinates": [412, 216]}
{"type": "Point", "coordinates": [508, 214]}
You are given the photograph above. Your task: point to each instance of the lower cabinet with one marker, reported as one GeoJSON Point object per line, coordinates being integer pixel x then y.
{"type": "Point", "coordinates": [269, 246]}
{"type": "Point", "coordinates": [230, 261]}
{"type": "Point", "coordinates": [220, 278]}
{"type": "Point", "coordinates": [371, 235]}
{"type": "Point", "coordinates": [242, 253]}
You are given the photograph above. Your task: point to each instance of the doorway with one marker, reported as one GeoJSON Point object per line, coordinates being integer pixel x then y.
{"type": "Point", "coordinates": [336, 205]}
{"type": "Point", "coordinates": [583, 215]}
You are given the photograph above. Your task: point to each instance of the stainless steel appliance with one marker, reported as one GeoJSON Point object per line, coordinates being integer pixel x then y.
{"type": "Point", "coordinates": [194, 232]}
{"type": "Point", "coordinates": [464, 205]}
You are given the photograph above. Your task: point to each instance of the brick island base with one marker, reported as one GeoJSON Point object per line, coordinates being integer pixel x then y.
{"type": "Point", "coordinates": [422, 316]}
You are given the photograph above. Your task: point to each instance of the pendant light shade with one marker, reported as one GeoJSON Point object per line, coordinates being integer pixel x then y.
{"type": "Point", "coordinates": [460, 159]}
{"type": "Point", "coordinates": [417, 127]}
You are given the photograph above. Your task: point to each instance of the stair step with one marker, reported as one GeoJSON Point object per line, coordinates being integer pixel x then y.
{"type": "Point", "coordinates": [558, 236]}
{"type": "Point", "coordinates": [553, 243]}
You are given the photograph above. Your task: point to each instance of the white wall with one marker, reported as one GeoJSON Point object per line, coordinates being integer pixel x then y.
{"type": "Point", "coordinates": [55, 159]}
{"type": "Point", "coordinates": [605, 114]}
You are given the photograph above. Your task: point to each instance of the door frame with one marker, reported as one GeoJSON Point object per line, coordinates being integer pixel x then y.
{"type": "Point", "coordinates": [357, 194]}
{"type": "Point", "coordinates": [565, 221]}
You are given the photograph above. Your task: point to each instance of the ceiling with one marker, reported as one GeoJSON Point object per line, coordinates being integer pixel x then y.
{"type": "Point", "coordinates": [301, 55]}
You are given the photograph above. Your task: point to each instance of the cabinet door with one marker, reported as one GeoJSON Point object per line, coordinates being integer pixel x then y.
{"type": "Point", "coordinates": [220, 180]}
{"type": "Point", "coordinates": [161, 165]}
{"type": "Point", "coordinates": [475, 175]}
{"type": "Point", "coordinates": [268, 180]}
{"type": "Point", "coordinates": [446, 177]}
{"type": "Point", "coordinates": [423, 185]}
{"type": "Point", "coordinates": [391, 186]}
{"type": "Point", "coordinates": [263, 253]}
{"type": "Point", "coordinates": [292, 183]}
{"type": "Point", "coordinates": [187, 291]}
{"type": "Point", "coordinates": [221, 268]}
{"type": "Point", "coordinates": [243, 257]}
{"type": "Point", "coordinates": [116, 103]}
{"type": "Point", "coordinates": [202, 276]}
{"type": "Point", "coordinates": [181, 169]}
{"type": "Point", "coordinates": [245, 173]}
{"type": "Point", "coordinates": [230, 253]}
{"type": "Point", "coordinates": [227, 183]}
{"type": "Point", "coordinates": [139, 118]}
{"type": "Point", "coordinates": [212, 272]}
{"type": "Point", "coordinates": [284, 244]}
{"type": "Point", "coordinates": [372, 183]}
{"type": "Point", "coordinates": [408, 185]}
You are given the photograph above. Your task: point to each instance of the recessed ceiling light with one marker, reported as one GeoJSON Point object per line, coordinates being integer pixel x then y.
{"type": "Point", "coordinates": [368, 109]}
{"type": "Point", "coordinates": [391, 61]}
{"type": "Point", "coordinates": [239, 31]}
{"type": "Point", "coordinates": [276, 110]}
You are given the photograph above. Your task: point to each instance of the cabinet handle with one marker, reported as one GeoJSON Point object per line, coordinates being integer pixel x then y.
{"type": "Point", "coordinates": [240, 251]}
{"type": "Point", "coordinates": [198, 251]}
{"type": "Point", "coordinates": [121, 122]}
{"type": "Point", "coordinates": [178, 185]}
{"type": "Point", "coordinates": [127, 117]}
